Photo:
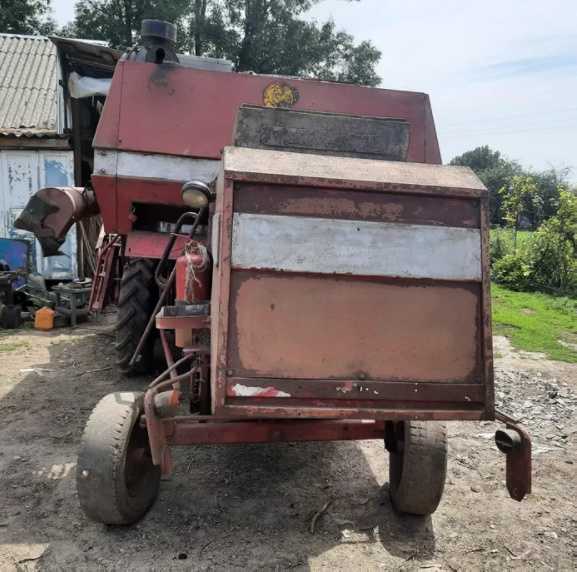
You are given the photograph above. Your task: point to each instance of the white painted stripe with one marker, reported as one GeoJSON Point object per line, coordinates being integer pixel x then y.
{"type": "Point", "coordinates": [329, 246]}
{"type": "Point", "coordinates": [150, 166]}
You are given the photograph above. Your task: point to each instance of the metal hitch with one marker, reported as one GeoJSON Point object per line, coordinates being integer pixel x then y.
{"type": "Point", "coordinates": [515, 443]}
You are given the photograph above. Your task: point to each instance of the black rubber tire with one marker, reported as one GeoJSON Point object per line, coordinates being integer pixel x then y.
{"type": "Point", "coordinates": [113, 487]}
{"type": "Point", "coordinates": [418, 466]}
{"type": "Point", "coordinates": [137, 298]}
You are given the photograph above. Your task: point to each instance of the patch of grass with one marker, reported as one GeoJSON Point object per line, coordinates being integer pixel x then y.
{"type": "Point", "coordinates": [13, 346]}
{"type": "Point", "coordinates": [536, 322]}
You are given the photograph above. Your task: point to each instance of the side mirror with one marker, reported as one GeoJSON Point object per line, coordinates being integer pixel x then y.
{"type": "Point", "coordinates": [196, 194]}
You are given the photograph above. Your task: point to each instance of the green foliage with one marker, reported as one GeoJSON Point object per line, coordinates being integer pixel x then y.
{"type": "Point", "coordinates": [263, 36]}
{"type": "Point", "coordinates": [543, 260]}
{"type": "Point", "coordinates": [26, 17]}
{"type": "Point", "coordinates": [537, 322]}
{"type": "Point", "coordinates": [514, 196]}
{"type": "Point", "coordinates": [502, 242]}
{"type": "Point", "coordinates": [494, 171]}
{"type": "Point", "coordinates": [118, 21]}
{"type": "Point", "coordinates": [512, 271]}
{"type": "Point", "coordinates": [497, 173]}
{"type": "Point", "coordinates": [553, 255]}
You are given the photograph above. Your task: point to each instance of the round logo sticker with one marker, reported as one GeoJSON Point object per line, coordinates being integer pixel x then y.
{"type": "Point", "coordinates": [280, 95]}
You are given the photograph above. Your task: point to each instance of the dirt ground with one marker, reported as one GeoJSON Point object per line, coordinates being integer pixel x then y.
{"type": "Point", "coordinates": [250, 507]}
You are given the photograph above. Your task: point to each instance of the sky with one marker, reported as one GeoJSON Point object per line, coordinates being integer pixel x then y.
{"type": "Point", "coordinates": [501, 73]}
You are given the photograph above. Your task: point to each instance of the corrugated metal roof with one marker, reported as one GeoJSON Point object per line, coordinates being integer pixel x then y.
{"type": "Point", "coordinates": [28, 83]}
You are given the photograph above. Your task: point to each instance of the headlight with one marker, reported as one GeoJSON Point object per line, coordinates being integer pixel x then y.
{"type": "Point", "coordinates": [196, 194]}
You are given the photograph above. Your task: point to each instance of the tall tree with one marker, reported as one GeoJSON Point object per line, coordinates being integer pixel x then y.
{"type": "Point", "coordinates": [269, 36]}
{"type": "Point", "coordinates": [495, 171]}
{"type": "Point", "coordinates": [26, 17]}
{"type": "Point", "coordinates": [118, 21]}
{"type": "Point", "coordinates": [263, 36]}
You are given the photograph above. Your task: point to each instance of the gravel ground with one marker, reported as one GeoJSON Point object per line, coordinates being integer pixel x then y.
{"type": "Point", "coordinates": [250, 507]}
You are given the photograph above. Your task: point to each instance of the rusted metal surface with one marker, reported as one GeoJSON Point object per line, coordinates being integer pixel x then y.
{"type": "Point", "coordinates": [487, 324]}
{"type": "Point", "coordinates": [217, 98]}
{"type": "Point", "coordinates": [305, 409]}
{"type": "Point", "coordinates": [185, 322]}
{"type": "Point", "coordinates": [515, 443]}
{"type": "Point", "coordinates": [142, 244]}
{"type": "Point", "coordinates": [354, 389]}
{"type": "Point", "coordinates": [189, 433]}
{"type": "Point", "coordinates": [339, 135]}
{"type": "Point", "coordinates": [108, 270]}
{"type": "Point", "coordinates": [286, 342]}
{"type": "Point", "coordinates": [51, 212]}
{"type": "Point", "coordinates": [118, 196]}
{"type": "Point", "coordinates": [303, 326]}
{"type": "Point", "coordinates": [282, 168]}
{"type": "Point", "coordinates": [357, 205]}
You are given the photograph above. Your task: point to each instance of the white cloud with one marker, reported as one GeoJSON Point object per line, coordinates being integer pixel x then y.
{"type": "Point", "coordinates": [499, 72]}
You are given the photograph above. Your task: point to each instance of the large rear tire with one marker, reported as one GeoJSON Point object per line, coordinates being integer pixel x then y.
{"type": "Point", "coordinates": [115, 478]}
{"type": "Point", "coordinates": [417, 465]}
{"type": "Point", "coordinates": [137, 298]}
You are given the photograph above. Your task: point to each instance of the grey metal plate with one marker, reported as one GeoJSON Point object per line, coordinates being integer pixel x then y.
{"type": "Point", "coordinates": [322, 133]}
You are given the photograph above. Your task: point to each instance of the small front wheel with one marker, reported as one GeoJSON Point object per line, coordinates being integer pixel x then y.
{"type": "Point", "coordinates": [417, 465]}
{"type": "Point", "coordinates": [115, 478]}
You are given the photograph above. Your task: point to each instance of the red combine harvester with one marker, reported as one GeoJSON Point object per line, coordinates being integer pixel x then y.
{"type": "Point", "coordinates": [312, 270]}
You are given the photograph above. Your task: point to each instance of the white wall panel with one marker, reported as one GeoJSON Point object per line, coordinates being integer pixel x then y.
{"type": "Point", "coordinates": [22, 173]}
{"type": "Point", "coordinates": [331, 246]}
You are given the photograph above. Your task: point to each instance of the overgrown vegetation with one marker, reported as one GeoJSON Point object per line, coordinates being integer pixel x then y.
{"type": "Point", "coordinates": [544, 260]}
{"type": "Point", "coordinates": [537, 322]}
{"type": "Point", "coordinates": [522, 200]}
{"type": "Point", "coordinates": [498, 173]}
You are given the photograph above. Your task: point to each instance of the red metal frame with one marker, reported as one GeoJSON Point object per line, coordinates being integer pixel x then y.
{"type": "Point", "coordinates": [221, 432]}
{"type": "Point", "coordinates": [127, 123]}
{"type": "Point", "coordinates": [155, 109]}
{"type": "Point", "coordinates": [104, 288]}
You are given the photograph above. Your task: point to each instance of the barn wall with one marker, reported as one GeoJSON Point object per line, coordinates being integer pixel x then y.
{"type": "Point", "coordinates": [22, 173]}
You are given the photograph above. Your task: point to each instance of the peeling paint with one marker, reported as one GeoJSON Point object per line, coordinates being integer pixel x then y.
{"type": "Point", "coordinates": [345, 387]}
{"type": "Point", "coordinates": [240, 390]}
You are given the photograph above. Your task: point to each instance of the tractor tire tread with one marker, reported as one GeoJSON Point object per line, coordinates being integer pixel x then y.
{"type": "Point", "coordinates": [100, 479]}
{"type": "Point", "coordinates": [418, 474]}
{"type": "Point", "coordinates": [138, 295]}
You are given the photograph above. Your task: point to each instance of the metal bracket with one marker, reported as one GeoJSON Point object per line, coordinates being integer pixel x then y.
{"type": "Point", "coordinates": [515, 443]}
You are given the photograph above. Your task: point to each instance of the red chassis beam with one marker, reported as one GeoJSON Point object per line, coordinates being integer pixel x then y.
{"type": "Point", "coordinates": [213, 432]}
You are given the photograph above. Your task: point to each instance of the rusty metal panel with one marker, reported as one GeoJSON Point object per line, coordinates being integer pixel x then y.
{"type": "Point", "coordinates": [356, 389]}
{"type": "Point", "coordinates": [310, 327]}
{"type": "Point", "coordinates": [197, 108]}
{"type": "Point", "coordinates": [336, 134]}
{"type": "Point", "coordinates": [280, 167]}
{"type": "Point", "coordinates": [362, 205]}
{"type": "Point", "coordinates": [300, 341]}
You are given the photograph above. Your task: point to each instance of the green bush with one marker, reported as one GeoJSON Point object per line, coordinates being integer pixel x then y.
{"type": "Point", "coordinates": [543, 260]}
{"type": "Point", "coordinates": [553, 260]}
{"type": "Point", "coordinates": [500, 246]}
{"type": "Point", "coordinates": [513, 272]}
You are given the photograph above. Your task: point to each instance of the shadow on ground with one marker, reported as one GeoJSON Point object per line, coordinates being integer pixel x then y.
{"type": "Point", "coordinates": [233, 507]}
